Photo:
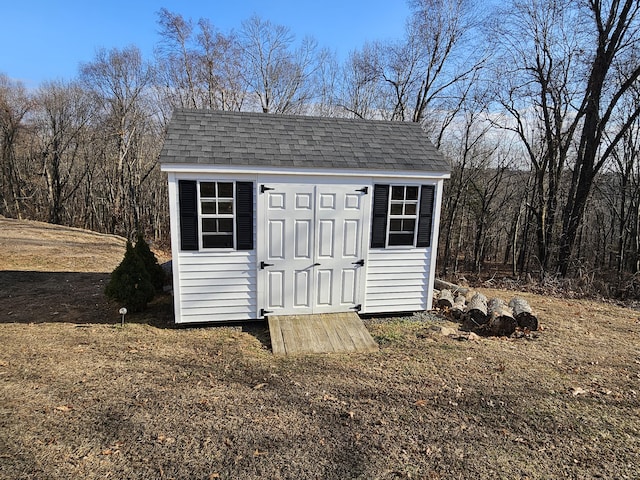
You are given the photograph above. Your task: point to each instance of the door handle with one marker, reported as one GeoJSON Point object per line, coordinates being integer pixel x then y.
{"type": "Point", "coordinates": [315, 265]}
{"type": "Point", "coordinates": [264, 265]}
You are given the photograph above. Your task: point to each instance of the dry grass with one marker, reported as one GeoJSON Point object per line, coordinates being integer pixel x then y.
{"type": "Point", "coordinates": [83, 398]}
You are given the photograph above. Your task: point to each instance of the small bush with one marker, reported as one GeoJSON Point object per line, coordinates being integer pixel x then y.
{"type": "Point", "coordinates": [155, 271]}
{"type": "Point", "coordinates": [130, 283]}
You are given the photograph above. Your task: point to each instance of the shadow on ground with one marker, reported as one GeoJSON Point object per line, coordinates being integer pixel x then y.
{"type": "Point", "coordinates": [71, 297]}
{"type": "Point", "coordinates": [78, 298]}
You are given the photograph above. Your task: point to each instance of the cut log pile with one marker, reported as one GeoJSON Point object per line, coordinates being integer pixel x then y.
{"type": "Point", "coordinates": [485, 317]}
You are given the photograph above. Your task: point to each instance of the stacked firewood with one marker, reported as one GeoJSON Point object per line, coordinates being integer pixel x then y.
{"type": "Point", "coordinates": [482, 316]}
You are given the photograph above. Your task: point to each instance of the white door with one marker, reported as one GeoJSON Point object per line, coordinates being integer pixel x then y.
{"type": "Point", "coordinates": [313, 248]}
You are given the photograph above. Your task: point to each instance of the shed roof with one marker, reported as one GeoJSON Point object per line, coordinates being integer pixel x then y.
{"type": "Point", "coordinates": [210, 137]}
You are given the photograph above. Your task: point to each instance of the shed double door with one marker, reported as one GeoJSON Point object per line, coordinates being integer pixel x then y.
{"type": "Point", "coordinates": [313, 248]}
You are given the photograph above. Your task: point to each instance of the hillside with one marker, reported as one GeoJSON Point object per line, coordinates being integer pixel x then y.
{"type": "Point", "coordinates": [53, 273]}
{"type": "Point", "coordinates": [82, 397]}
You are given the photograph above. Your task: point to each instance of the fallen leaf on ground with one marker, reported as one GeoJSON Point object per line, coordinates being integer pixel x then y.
{"type": "Point", "coordinates": [578, 391]}
{"type": "Point", "coordinates": [64, 408]}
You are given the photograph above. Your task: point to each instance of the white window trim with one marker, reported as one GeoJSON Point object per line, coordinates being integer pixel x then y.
{"type": "Point", "coordinates": [415, 217]}
{"type": "Point", "coordinates": [201, 216]}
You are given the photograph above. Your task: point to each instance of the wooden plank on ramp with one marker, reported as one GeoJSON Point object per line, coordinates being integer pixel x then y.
{"type": "Point", "coordinates": [320, 333]}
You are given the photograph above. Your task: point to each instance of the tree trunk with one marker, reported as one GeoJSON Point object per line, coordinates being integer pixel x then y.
{"type": "Point", "coordinates": [445, 299]}
{"type": "Point", "coordinates": [523, 314]}
{"type": "Point", "coordinates": [476, 314]}
{"type": "Point", "coordinates": [459, 305]}
{"type": "Point", "coordinates": [442, 285]}
{"type": "Point", "coordinates": [501, 321]}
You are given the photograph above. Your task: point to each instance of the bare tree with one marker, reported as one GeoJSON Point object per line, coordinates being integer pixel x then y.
{"type": "Point", "coordinates": [63, 115]}
{"type": "Point", "coordinates": [439, 54]}
{"type": "Point", "coordinates": [614, 28]}
{"type": "Point", "coordinates": [15, 103]}
{"type": "Point", "coordinates": [178, 60]}
{"type": "Point", "coordinates": [535, 84]}
{"type": "Point", "coordinates": [219, 68]}
{"type": "Point", "coordinates": [358, 93]}
{"type": "Point", "coordinates": [119, 80]}
{"type": "Point", "coordinates": [278, 72]}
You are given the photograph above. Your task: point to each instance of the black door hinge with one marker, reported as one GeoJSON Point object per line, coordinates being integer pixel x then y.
{"type": "Point", "coordinates": [360, 262]}
{"type": "Point", "coordinates": [357, 308]}
{"type": "Point", "coordinates": [264, 188]}
{"type": "Point", "coordinates": [265, 265]}
{"type": "Point", "coordinates": [264, 313]}
{"type": "Point", "coordinates": [364, 190]}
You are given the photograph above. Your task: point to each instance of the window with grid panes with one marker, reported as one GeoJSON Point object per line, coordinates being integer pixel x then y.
{"type": "Point", "coordinates": [216, 214]}
{"type": "Point", "coordinates": [403, 214]}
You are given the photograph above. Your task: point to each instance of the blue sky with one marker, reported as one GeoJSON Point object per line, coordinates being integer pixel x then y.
{"type": "Point", "coordinates": [47, 39]}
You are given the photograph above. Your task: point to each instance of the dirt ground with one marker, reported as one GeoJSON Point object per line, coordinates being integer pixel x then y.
{"type": "Point", "coordinates": [81, 397]}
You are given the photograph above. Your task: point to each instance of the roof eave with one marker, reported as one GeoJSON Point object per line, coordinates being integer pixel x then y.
{"type": "Point", "coordinates": [193, 168]}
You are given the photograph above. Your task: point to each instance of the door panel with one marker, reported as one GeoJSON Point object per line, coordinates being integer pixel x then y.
{"type": "Point", "coordinates": [338, 246]}
{"type": "Point", "coordinates": [313, 239]}
{"type": "Point", "coordinates": [349, 285]}
{"type": "Point", "coordinates": [326, 239]}
{"type": "Point", "coordinates": [302, 289]}
{"type": "Point", "coordinates": [275, 288]}
{"type": "Point", "coordinates": [350, 239]}
{"type": "Point", "coordinates": [276, 240]}
{"type": "Point", "coordinates": [303, 239]}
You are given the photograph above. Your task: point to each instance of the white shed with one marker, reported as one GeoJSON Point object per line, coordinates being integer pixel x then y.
{"type": "Point", "coordinates": [281, 214]}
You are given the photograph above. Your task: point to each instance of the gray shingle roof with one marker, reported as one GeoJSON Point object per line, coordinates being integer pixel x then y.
{"type": "Point", "coordinates": [210, 137]}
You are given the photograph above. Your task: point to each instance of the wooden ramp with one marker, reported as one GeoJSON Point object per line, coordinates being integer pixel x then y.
{"type": "Point", "coordinates": [321, 333]}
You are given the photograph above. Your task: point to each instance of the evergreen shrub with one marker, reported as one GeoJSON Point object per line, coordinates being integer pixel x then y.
{"type": "Point", "coordinates": [155, 271]}
{"type": "Point", "coordinates": [130, 283]}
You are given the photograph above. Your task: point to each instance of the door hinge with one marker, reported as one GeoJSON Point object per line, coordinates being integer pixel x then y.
{"type": "Point", "coordinates": [265, 265]}
{"type": "Point", "coordinates": [360, 262]}
{"type": "Point", "coordinates": [357, 308]}
{"type": "Point", "coordinates": [264, 188]}
{"type": "Point", "coordinates": [264, 313]}
{"type": "Point", "coordinates": [364, 190]}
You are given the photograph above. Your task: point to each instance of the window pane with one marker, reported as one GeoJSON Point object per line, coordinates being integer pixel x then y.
{"type": "Point", "coordinates": [408, 225]}
{"type": "Point", "coordinates": [395, 225]}
{"type": "Point", "coordinates": [225, 225]}
{"type": "Point", "coordinates": [225, 190]}
{"type": "Point", "coordinates": [217, 241]}
{"type": "Point", "coordinates": [410, 208]}
{"type": "Point", "coordinates": [396, 209]}
{"type": "Point", "coordinates": [412, 193]}
{"type": "Point", "coordinates": [225, 207]}
{"type": "Point", "coordinates": [209, 208]}
{"type": "Point", "coordinates": [400, 239]}
{"type": "Point", "coordinates": [208, 189]}
{"type": "Point", "coordinates": [209, 225]}
{"type": "Point", "coordinates": [397, 193]}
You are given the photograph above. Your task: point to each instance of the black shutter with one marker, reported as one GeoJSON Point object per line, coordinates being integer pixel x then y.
{"type": "Point", "coordinates": [426, 216]}
{"type": "Point", "coordinates": [244, 215]}
{"type": "Point", "coordinates": [188, 199]}
{"type": "Point", "coordinates": [379, 220]}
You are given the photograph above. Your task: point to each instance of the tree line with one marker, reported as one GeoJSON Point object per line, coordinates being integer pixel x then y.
{"type": "Point", "coordinates": [535, 103]}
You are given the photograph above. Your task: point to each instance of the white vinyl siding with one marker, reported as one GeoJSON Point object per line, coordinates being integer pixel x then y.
{"type": "Point", "coordinates": [212, 285]}
{"type": "Point", "coordinates": [217, 286]}
{"type": "Point", "coordinates": [397, 280]}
